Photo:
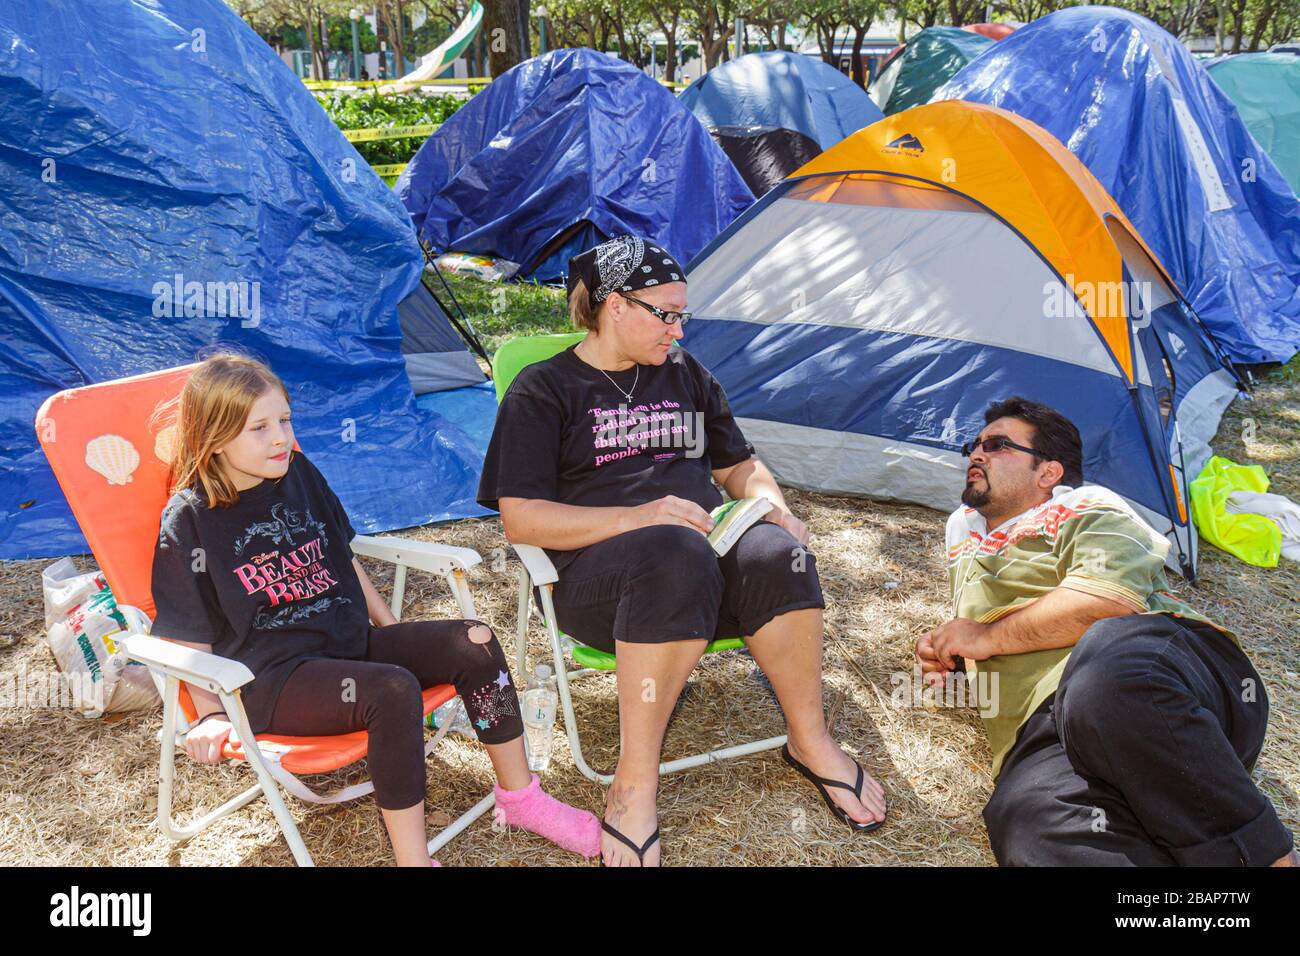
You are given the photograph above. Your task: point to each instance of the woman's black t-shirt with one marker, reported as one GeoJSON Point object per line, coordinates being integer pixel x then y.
{"type": "Point", "coordinates": [267, 581]}
{"type": "Point", "coordinates": [564, 432]}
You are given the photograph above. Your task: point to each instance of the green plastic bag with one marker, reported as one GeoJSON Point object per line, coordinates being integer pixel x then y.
{"type": "Point", "coordinates": [1254, 539]}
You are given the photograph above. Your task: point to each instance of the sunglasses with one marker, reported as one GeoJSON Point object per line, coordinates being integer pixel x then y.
{"type": "Point", "coordinates": [667, 318]}
{"type": "Point", "coordinates": [996, 444]}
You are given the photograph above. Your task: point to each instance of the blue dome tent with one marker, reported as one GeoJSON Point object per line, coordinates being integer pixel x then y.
{"type": "Point", "coordinates": [170, 184]}
{"type": "Point", "coordinates": [1127, 99]}
{"type": "Point", "coordinates": [772, 112]}
{"type": "Point", "coordinates": [562, 152]}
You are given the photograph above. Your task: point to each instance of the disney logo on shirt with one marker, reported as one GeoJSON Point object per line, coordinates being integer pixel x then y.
{"type": "Point", "coordinates": [287, 575]}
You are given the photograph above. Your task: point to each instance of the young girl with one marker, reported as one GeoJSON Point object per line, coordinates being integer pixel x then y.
{"type": "Point", "coordinates": [253, 562]}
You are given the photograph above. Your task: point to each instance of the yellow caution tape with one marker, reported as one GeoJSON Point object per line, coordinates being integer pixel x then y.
{"type": "Point", "coordinates": [392, 169]}
{"type": "Point", "coordinates": [374, 84]}
{"type": "Point", "coordinates": [388, 132]}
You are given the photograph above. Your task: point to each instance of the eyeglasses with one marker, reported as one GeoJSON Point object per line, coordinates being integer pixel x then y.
{"type": "Point", "coordinates": [667, 318]}
{"type": "Point", "coordinates": [995, 444]}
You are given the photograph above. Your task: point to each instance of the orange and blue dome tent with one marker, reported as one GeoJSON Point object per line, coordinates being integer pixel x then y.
{"type": "Point", "coordinates": [863, 315]}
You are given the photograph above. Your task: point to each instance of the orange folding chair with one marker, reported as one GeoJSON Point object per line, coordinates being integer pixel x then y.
{"type": "Point", "coordinates": [112, 464]}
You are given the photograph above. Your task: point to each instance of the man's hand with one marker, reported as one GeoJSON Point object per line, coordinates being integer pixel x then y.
{"type": "Point", "coordinates": [933, 673]}
{"type": "Point", "coordinates": [783, 519]}
{"type": "Point", "coordinates": [959, 637]}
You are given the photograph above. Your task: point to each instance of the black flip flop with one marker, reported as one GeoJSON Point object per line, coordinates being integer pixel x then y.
{"type": "Point", "coordinates": [821, 783]}
{"type": "Point", "coordinates": [640, 851]}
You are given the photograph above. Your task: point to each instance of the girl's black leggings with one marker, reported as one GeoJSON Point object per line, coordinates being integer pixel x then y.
{"type": "Point", "coordinates": [382, 695]}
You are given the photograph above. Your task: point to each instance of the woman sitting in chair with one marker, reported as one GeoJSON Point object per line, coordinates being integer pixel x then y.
{"type": "Point", "coordinates": [604, 455]}
{"type": "Point", "coordinates": [253, 563]}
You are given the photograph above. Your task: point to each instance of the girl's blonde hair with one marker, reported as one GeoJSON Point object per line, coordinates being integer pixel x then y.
{"type": "Point", "coordinates": [581, 314]}
{"type": "Point", "coordinates": [211, 410]}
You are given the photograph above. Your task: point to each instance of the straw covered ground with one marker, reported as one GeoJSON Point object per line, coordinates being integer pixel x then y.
{"type": "Point", "coordinates": [81, 792]}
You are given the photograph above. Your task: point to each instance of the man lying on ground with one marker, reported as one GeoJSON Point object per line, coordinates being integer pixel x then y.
{"type": "Point", "coordinates": [1126, 725]}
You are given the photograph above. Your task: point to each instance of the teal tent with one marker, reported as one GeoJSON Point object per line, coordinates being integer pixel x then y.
{"type": "Point", "coordinates": [930, 59]}
{"type": "Point", "coordinates": [1266, 89]}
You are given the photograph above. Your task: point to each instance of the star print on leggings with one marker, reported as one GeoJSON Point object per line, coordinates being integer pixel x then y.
{"type": "Point", "coordinates": [492, 702]}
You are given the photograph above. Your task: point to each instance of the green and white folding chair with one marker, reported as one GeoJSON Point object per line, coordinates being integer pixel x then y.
{"type": "Point", "coordinates": [538, 571]}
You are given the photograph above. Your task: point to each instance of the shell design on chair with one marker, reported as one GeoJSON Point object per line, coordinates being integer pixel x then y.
{"type": "Point", "coordinates": [113, 457]}
{"type": "Point", "coordinates": [164, 444]}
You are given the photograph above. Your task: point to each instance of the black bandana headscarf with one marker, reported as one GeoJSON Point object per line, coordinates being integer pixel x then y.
{"type": "Point", "coordinates": [623, 264]}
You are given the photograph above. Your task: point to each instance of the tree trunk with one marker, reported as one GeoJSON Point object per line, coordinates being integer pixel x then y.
{"type": "Point", "coordinates": [526, 25]}
{"type": "Point", "coordinates": [313, 43]}
{"type": "Point", "coordinates": [399, 41]}
{"type": "Point", "coordinates": [670, 56]}
{"type": "Point", "coordinates": [622, 43]}
{"type": "Point", "coordinates": [383, 36]}
{"type": "Point", "coordinates": [1220, 19]}
{"type": "Point", "coordinates": [1261, 24]}
{"type": "Point", "coordinates": [859, 34]}
{"type": "Point", "coordinates": [503, 31]}
{"type": "Point", "coordinates": [325, 45]}
{"type": "Point", "coordinates": [826, 37]}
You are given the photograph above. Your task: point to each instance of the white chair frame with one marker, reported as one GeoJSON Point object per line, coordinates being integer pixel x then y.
{"type": "Point", "coordinates": [538, 570]}
{"type": "Point", "coordinates": [170, 664]}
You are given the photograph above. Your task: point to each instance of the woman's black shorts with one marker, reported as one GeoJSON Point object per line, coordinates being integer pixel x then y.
{"type": "Point", "coordinates": [665, 583]}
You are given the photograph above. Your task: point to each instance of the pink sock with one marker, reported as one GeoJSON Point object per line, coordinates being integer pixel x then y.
{"type": "Point", "coordinates": [538, 812]}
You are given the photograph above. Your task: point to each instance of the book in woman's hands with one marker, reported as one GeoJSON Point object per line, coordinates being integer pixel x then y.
{"type": "Point", "coordinates": [732, 519]}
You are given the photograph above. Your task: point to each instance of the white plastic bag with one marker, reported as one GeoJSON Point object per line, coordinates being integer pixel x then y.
{"type": "Point", "coordinates": [84, 626]}
{"type": "Point", "coordinates": [487, 268]}
{"type": "Point", "coordinates": [1284, 512]}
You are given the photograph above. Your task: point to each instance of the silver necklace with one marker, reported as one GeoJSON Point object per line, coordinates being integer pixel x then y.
{"type": "Point", "coordinates": [626, 394]}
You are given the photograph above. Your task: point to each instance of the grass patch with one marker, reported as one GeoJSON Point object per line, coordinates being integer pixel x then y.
{"type": "Point", "coordinates": [507, 310]}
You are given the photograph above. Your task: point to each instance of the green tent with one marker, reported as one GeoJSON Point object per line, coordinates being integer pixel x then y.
{"type": "Point", "coordinates": [1266, 89]}
{"type": "Point", "coordinates": [931, 58]}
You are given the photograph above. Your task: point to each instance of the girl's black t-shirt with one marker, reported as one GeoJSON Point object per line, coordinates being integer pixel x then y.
{"type": "Point", "coordinates": [566, 432]}
{"type": "Point", "coordinates": [267, 581]}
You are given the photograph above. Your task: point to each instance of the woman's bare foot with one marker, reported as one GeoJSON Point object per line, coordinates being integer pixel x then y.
{"type": "Point", "coordinates": [630, 809]}
{"type": "Point", "coordinates": [825, 758]}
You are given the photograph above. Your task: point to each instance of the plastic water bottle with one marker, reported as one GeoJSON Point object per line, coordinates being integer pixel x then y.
{"type": "Point", "coordinates": [459, 725]}
{"type": "Point", "coordinates": [539, 703]}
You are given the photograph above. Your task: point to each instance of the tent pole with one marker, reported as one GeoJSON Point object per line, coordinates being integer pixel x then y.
{"type": "Point", "coordinates": [467, 330]}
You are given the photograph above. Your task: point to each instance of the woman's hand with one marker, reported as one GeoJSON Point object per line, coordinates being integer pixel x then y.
{"type": "Point", "coordinates": [670, 510]}
{"type": "Point", "coordinates": [783, 519]}
{"type": "Point", "coordinates": [204, 742]}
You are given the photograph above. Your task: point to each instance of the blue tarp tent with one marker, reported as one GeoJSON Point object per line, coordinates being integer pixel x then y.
{"type": "Point", "coordinates": [1127, 99]}
{"type": "Point", "coordinates": [169, 184]}
{"type": "Point", "coordinates": [772, 112]}
{"type": "Point", "coordinates": [562, 152]}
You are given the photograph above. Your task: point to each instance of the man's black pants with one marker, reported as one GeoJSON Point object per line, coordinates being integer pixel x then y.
{"type": "Point", "coordinates": [1142, 757]}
